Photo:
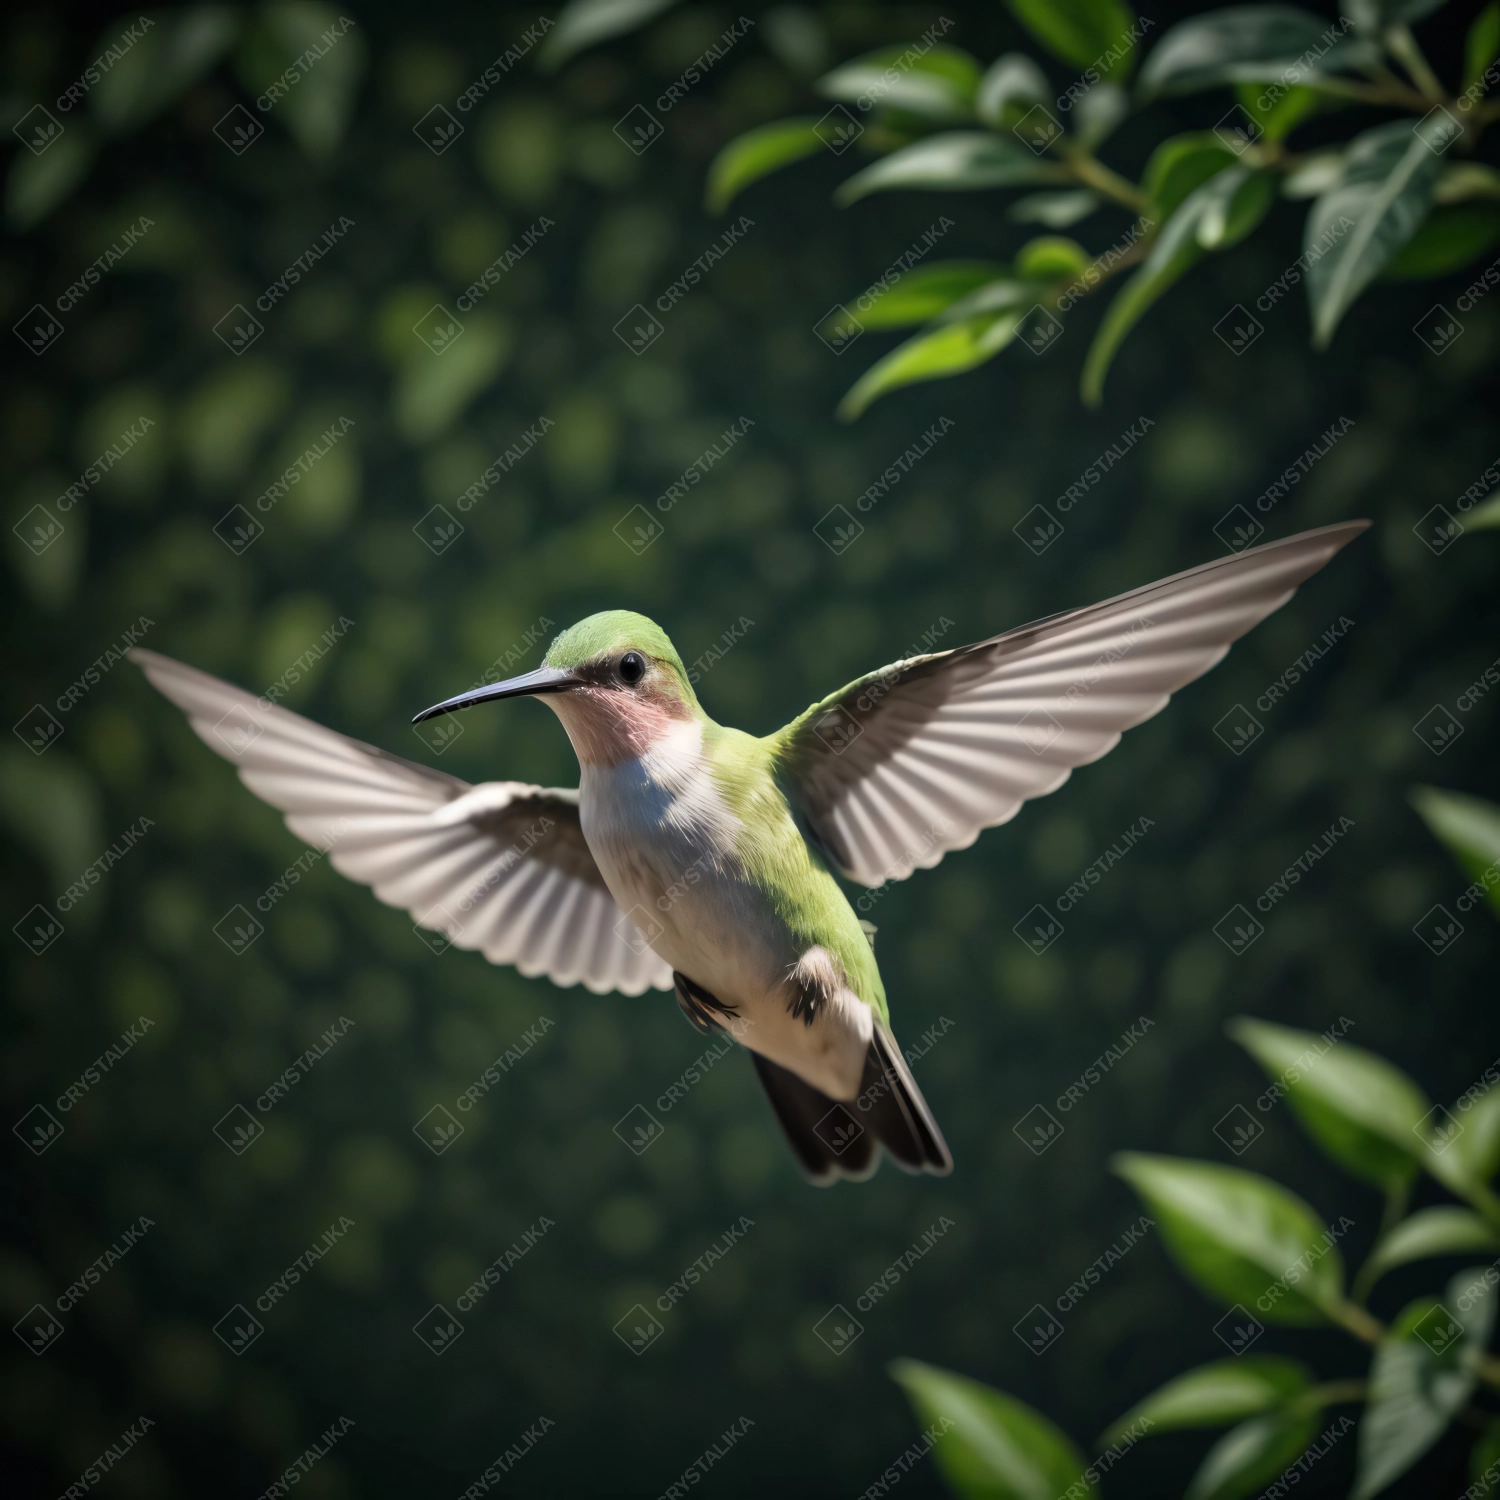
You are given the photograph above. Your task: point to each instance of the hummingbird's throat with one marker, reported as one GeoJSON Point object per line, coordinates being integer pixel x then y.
{"type": "Point", "coordinates": [608, 726]}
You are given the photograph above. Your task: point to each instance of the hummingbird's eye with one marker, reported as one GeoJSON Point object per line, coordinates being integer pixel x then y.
{"type": "Point", "coordinates": [632, 668]}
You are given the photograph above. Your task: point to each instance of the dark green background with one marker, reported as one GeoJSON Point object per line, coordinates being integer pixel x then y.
{"type": "Point", "coordinates": [741, 544]}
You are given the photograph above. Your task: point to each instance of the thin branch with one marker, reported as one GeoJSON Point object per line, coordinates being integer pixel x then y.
{"type": "Point", "coordinates": [1091, 172]}
{"type": "Point", "coordinates": [1403, 47]}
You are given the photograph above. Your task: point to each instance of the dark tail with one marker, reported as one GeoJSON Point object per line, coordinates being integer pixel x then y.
{"type": "Point", "coordinates": [833, 1140]}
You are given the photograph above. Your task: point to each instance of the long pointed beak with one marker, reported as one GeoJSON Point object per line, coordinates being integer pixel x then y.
{"type": "Point", "coordinates": [543, 680]}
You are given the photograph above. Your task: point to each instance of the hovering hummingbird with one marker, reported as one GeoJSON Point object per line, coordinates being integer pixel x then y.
{"type": "Point", "coordinates": [697, 858]}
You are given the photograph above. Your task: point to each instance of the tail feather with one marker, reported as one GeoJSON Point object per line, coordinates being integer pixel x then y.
{"type": "Point", "coordinates": [832, 1140]}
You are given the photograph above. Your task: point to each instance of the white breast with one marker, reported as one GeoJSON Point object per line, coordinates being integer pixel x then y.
{"type": "Point", "coordinates": [665, 840]}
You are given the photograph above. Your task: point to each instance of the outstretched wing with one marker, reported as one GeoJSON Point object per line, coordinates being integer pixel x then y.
{"type": "Point", "coordinates": [909, 762]}
{"type": "Point", "coordinates": [502, 867]}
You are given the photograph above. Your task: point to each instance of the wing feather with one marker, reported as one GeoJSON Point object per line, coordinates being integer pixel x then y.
{"type": "Point", "coordinates": [909, 762]}
{"type": "Point", "coordinates": [502, 867]}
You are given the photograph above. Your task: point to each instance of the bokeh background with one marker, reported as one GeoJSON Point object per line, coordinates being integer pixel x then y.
{"type": "Point", "coordinates": [541, 545]}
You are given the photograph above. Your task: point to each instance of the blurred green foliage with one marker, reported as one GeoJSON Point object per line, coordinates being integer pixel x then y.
{"type": "Point", "coordinates": [345, 540]}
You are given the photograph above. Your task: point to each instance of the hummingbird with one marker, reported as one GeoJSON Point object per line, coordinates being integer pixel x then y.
{"type": "Point", "coordinates": [698, 859]}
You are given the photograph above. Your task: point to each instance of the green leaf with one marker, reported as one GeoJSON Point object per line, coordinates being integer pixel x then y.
{"type": "Point", "coordinates": [1477, 1147]}
{"type": "Point", "coordinates": [1318, 172]}
{"type": "Point", "coordinates": [1087, 33]}
{"type": "Point", "coordinates": [432, 390]}
{"type": "Point", "coordinates": [1449, 239]}
{"type": "Point", "coordinates": [1214, 216]}
{"type": "Point", "coordinates": [1374, 16]}
{"type": "Point", "coordinates": [1379, 203]}
{"type": "Point", "coordinates": [318, 99]}
{"type": "Point", "coordinates": [1180, 164]}
{"type": "Point", "coordinates": [1464, 180]}
{"type": "Point", "coordinates": [1468, 827]}
{"type": "Point", "coordinates": [1430, 1231]}
{"type": "Point", "coordinates": [1279, 109]}
{"type": "Point", "coordinates": [1253, 1454]}
{"type": "Point", "coordinates": [994, 1447]}
{"type": "Point", "coordinates": [994, 296]}
{"type": "Point", "coordinates": [177, 50]}
{"type": "Point", "coordinates": [1485, 517]}
{"type": "Point", "coordinates": [949, 350]}
{"type": "Point", "coordinates": [1213, 1395]}
{"type": "Point", "coordinates": [1243, 1238]}
{"type": "Point", "coordinates": [939, 84]}
{"type": "Point", "coordinates": [925, 292]}
{"type": "Point", "coordinates": [1482, 44]}
{"type": "Point", "coordinates": [1055, 210]}
{"type": "Point", "coordinates": [1051, 257]}
{"type": "Point", "coordinates": [37, 184]}
{"type": "Point", "coordinates": [1422, 1375]}
{"type": "Point", "coordinates": [757, 153]}
{"type": "Point", "coordinates": [1098, 112]}
{"type": "Point", "coordinates": [586, 23]}
{"type": "Point", "coordinates": [964, 159]}
{"type": "Point", "coordinates": [1247, 44]}
{"type": "Point", "coordinates": [1363, 1111]}
{"type": "Point", "coordinates": [1010, 86]}
{"type": "Point", "coordinates": [1484, 1463]}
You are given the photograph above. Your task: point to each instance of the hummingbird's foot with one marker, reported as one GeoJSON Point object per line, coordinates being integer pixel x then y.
{"type": "Point", "coordinates": [701, 1008]}
{"type": "Point", "coordinates": [815, 978]}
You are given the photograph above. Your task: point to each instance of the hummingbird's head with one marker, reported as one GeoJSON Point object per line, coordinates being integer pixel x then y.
{"type": "Point", "coordinates": [614, 679]}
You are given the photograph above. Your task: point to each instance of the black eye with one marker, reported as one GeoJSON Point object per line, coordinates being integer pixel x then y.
{"type": "Point", "coordinates": [632, 667]}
